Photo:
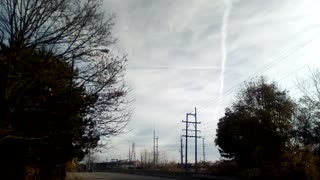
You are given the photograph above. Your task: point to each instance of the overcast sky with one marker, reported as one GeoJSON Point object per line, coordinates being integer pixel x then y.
{"type": "Point", "coordinates": [196, 53]}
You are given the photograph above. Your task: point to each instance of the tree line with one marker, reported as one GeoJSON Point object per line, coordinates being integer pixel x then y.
{"type": "Point", "coordinates": [265, 133]}
{"type": "Point", "coordinates": [61, 88]}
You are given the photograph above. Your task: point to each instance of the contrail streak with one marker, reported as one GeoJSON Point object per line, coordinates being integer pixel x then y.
{"type": "Point", "coordinates": [224, 34]}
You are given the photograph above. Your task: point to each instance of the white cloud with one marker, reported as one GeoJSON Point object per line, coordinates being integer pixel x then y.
{"type": "Point", "coordinates": [165, 39]}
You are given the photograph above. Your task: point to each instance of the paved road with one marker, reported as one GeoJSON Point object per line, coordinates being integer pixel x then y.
{"type": "Point", "coordinates": [110, 176]}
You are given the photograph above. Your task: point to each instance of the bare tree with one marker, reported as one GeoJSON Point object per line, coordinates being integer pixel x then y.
{"type": "Point", "coordinates": [310, 89]}
{"type": "Point", "coordinates": [68, 28]}
{"type": "Point", "coordinates": [307, 123]}
{"type": "Point", "coordinates": [77, 32]}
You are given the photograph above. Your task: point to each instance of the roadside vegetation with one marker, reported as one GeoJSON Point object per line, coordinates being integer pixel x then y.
{"type": "Point", "coordinates": [61, 87]}
{"type": "Point", "coordinates": [266, 133]}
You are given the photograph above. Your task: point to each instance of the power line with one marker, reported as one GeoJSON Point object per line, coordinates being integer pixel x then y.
{"type": "Point", "coordinates": [292, 72]}
{"type": "Point", "coordinates": [281, 79]}
{"type": "Point", "coordinates": [209, 128]}
{"type": "Point", "coordinates": [265, 68]}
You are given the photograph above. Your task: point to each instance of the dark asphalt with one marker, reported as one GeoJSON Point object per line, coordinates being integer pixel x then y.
{"type": "Point", "coordinates": [109, 176]}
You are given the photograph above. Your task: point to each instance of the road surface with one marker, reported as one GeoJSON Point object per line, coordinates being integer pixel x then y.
{"type": "Point", "coordinates": [110, 176]}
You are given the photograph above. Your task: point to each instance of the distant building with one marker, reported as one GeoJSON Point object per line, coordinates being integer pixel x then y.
{"type": "Point", "coordinates": [115, 164]}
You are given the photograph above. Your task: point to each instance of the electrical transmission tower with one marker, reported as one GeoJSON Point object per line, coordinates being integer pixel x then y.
{"type": "Point", "coordinates": [195, 136]}
{"type": "Point", "coordinates": [129, 156]}
{"type": "Point", "coordinates": [155, 148]}
{"type": "Point", "coordinates": [133, 152]}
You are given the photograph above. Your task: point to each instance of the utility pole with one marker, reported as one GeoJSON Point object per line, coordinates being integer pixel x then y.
{"type": "Point", "coordinates": [154, 147]}
{"type": "Point", "coordinates": [186, 153]}
{"type": "Point", "coordinates": [203, 150]}
{"type": "Point", "coordinates": [157, 149]}
{"type": "Point", "coordinates": [129, 157]}
{"type": "Point", "coordinates": [181, 150]}
{"type": "Point", "coordinates": [195, 123]}
{"type": "Point", "coordinates": [195, 138]}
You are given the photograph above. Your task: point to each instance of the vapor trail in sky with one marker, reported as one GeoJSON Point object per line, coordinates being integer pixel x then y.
{"type": "Point", "coordinates": [224, 34]}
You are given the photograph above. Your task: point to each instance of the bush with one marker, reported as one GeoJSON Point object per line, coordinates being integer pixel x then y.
{"type": "Point", "coordinates": [224, 168]}
{"type": "Point", "coordinates": [302, 165]}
